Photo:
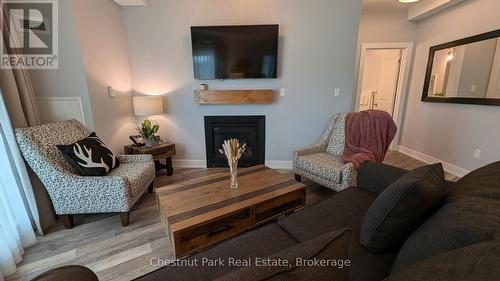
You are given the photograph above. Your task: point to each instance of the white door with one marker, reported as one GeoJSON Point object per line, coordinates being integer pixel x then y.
{"type": "Point", "coordinates": [383, 79]}
{"type": "Point", "coordinates": [380, 80]}
{"type": "Point", "coordinates": [389, 77]}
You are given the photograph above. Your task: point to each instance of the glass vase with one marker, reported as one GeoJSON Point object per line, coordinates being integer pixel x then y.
{"type": "Point", "coordinates": [233, 177]}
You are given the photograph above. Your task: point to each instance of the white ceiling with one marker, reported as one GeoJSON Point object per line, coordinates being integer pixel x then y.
{"type": "Point", "coordinates": [383, 4]}
{"type": "Point", "coordinates": [386, 4]}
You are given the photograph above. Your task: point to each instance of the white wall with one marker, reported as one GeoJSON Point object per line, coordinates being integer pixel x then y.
{"type": "Point", "coordinates": [317, 51]}
{"type": "Point", "coordinates": [105, 58]}
{"type": "Point", "coordinates": [451, 132]}
{"type": "Point", "coordinates": [69, 80]}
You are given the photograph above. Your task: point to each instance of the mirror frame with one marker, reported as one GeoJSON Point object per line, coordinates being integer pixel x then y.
{"type": "Point", "coordinates": [430, 62]}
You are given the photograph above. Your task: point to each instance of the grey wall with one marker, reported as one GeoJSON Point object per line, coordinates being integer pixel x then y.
{"type": "Point", "coordinates": [384, 24]}
{"type": "Point", "coordinates": [105, 59]}
{"type": "Point", "coordinates": [317, 51]}
{"type": "Point", "coordinates": [92, 56]}
{"type": "Point", "coordinates": [69, 80]}
{"type": "Point", "coordinates": [451, 132]}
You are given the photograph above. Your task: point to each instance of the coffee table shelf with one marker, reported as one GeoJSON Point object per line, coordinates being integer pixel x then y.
{"type": "Point", "coordinates": [205, 211]}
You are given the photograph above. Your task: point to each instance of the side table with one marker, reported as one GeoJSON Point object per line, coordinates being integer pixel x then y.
{"type": "Point", "coordinates": [164, 150]}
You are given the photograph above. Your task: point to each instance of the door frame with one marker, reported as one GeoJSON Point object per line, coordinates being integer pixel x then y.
{"type": "Point", "coordinates": [404, 75]}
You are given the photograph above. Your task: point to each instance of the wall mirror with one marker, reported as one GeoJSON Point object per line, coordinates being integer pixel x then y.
{"type": "Point", "coordinates": [465, 71]}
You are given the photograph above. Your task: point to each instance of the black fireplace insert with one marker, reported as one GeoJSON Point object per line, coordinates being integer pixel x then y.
{"type": "Point", "coordinates": [248, 129]}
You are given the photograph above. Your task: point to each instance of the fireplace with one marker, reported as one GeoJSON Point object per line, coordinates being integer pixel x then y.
{"type": "Point", "coordinates": [248, 129]}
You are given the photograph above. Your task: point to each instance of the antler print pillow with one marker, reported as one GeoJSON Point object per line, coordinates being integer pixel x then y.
{"type": "Point", "coordinates": [90, 156]}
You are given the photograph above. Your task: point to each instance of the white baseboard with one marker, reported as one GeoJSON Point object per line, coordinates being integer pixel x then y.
{"type": "Point", "coordinates": [282, 165]}
{"type": "Point", "coordinates": [449, 168]}
{"type": "Point", "coordinates": [185, 163]}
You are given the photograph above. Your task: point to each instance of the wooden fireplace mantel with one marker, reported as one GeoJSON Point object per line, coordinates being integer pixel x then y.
{"type": "Point", "coordinates": [233, 96]}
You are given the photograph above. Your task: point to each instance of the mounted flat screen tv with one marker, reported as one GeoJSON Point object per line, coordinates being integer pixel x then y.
{"type": "Point", "coordinates": [235, 52]}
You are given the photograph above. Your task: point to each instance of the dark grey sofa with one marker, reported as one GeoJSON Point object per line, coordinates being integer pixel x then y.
{"type": "Point", "coordinates": [469, 216]}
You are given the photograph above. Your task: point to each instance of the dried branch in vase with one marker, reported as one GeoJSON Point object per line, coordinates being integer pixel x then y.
{"type": "Point", "coordinates": [233, 151]}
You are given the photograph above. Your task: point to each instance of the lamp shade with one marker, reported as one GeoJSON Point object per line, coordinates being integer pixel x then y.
{"type": "Point", "coordinates": [148, 105]}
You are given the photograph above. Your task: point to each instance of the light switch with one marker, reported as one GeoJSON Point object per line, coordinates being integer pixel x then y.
{"type": "Point", "coordinates": [111, 92]}
{"type": "Point", "coordinates": [477, 154]}
{"type": "Point", "coordinates": [282, 92]}
{"type": "Point", "coordinates": [336, 93]}
{"type": "Point", "coordinates": [473, 88]}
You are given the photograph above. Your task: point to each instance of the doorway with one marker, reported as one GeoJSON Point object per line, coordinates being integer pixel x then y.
{"type": "Point", "coordinates": [383, 78]}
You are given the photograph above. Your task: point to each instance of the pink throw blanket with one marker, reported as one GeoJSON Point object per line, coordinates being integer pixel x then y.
{"type": "Point", "coordinates": [368, 135]}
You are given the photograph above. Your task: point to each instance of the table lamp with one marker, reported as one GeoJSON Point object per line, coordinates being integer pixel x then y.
{"type": "Point", "coordinates": [148, 105]}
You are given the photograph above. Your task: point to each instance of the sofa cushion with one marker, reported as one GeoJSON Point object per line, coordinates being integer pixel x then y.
{"type": "Point", "coordinates": [299, 262]}
{"type": "Point", "coordinates": [90, 156]}
{"type": "Point", "coordinates": [402, 207]}
{"type": "Point", "coordinates": [322, 165]}
{"type": "Point", "coordinates": [261, 242]}
{"type": "Point", "coordinates": [375, 177]}
{"type": "Point", "coordinates": [344, 209]}
{"type": "Point", "coordinates": [469, 215]}
{"type": "Point", "coordinates": [471, 263]}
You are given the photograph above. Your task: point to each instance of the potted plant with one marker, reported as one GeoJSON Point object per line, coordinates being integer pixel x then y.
{"type": "Point", "coordinates": [148, 131]}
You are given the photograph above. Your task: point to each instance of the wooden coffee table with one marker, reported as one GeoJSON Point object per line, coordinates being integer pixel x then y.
{"type": "Point", "coordinates": [201, 212]}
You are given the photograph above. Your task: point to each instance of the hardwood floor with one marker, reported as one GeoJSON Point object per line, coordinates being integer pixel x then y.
{"type": "Point", "coordinates": [123, 253]}
{"type": "Point", "coordinates": [400, 160]}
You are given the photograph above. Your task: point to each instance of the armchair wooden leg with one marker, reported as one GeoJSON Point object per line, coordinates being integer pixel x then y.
{"type": "Point", "coordinates": [67, 221]}
{"type": "Point", "coordinates": [298, 178]}
{"type": "Point", "coordinates": [151, 187]}
{"type": "Point", "coordinates": [125, 218]}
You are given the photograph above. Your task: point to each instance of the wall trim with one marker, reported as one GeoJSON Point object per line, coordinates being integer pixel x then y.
{"type": "Point", "coordinates": [186, 163]}
{"type": "Point", "coordinates": [52, 102]}
{"type": "Point", "coordinates": [448, 167]}
{"type": "Point", "coordinates": [282, 165]}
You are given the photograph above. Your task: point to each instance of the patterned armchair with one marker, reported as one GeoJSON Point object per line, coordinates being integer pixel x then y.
{"type": "Point", "coordinates": [322, 162]}
{"type": "Point", "coordinates": [72, 194]}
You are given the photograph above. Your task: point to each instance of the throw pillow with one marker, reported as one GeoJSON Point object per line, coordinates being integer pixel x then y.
{"type": "Point", "coordinates": [475, 262]}
{"type": "Point", "coordinates": [322, 258]}
{"type": "Point", "coordinates": [90, 156]}
{"type": "Point", "coordinates": [402, 207]}
{"type": "Point", "coordinates": [469, 215]}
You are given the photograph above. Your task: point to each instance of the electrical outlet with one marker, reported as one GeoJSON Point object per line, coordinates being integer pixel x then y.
{"type": "Point", "coordinates": [282, 92]}
{"type": "Point", "coordinates": [477, 154]}
{"type": "Point", "coordinates": [336, 93]}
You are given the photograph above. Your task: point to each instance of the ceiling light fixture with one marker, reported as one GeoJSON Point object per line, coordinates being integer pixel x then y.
{"type": "Point", "coordinates": [408, 1]}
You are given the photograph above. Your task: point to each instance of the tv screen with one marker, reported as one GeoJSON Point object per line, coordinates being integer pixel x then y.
{"type": "Point", "coordinates": [234, 52]}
